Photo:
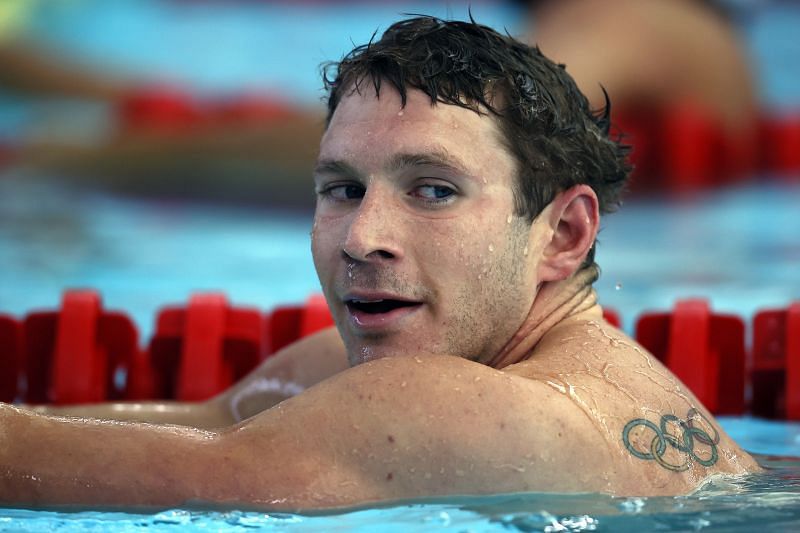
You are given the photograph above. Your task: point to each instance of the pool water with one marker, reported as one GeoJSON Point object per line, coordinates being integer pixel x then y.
{"type": "Point", "coordinates": [738, 247]}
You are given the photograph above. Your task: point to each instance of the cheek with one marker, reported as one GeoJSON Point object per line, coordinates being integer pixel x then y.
{"type": "Point", "coordinates": [488, 298]}
{"type": "Point", "coordinates": [323, 244]}
{"type": "Point", "coordinates": [452, 253]}
{"type": "Point", "coordinates": [497, 264]}
{"type": "Point", "coordinates": [486, 246]}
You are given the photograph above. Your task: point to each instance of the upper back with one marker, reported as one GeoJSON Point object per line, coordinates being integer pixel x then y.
{"type": "Point", "coordinates": [652, 423]}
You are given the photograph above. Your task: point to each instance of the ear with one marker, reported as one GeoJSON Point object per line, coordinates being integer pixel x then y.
{"type": "Point", "coordinates": [574, 219]}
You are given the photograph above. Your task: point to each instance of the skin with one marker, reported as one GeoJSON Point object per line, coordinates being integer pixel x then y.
{"type": "Point", "coordinates": [651, 54]}
{"type": "Point", "coordinates": [436, 402]}
{"type": "Point", "coordinates": [396, 209]}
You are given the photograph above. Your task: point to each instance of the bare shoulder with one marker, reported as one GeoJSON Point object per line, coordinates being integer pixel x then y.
{"type": "Point", "coordinates": [409, 427]}
{"type": "Point", "coordinates": [391, 429]}
{"type": "Point", "coordinates": [663, 439]}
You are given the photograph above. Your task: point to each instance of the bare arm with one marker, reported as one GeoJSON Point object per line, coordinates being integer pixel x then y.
{"type": "Point", "coordinates": [386, 430]}
{"type": "Point", "coordinates": [287, 373]}
{"type": "Point", "coordinates": [25, 68]}
{"type": "Point", "coordinates": [191, 414]}
{"type": "Point", "coordinates": [149, 160]}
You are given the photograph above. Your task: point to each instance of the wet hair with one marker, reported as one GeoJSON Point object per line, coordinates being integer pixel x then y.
{"type": "Point", "coordinates": [546, 123]}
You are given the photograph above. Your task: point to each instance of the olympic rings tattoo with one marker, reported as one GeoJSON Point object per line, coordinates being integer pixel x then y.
{"type": "Point", "coordinates": [684, 443]}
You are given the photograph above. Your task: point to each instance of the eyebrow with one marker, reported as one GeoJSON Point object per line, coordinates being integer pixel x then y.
{"type": "Point", "coordinates": [436, 157]}
{"type": "Point", "coordinates": [337, 167]}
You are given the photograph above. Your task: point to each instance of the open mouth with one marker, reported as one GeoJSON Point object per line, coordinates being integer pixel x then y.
{"type": "Point", "coordinates": [375, 307]}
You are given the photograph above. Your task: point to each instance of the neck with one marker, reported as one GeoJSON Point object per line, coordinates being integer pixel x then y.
{"type": "Point", "coordinates": [555, 303]}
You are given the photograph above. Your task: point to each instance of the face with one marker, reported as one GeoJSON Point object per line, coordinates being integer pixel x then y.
{"type": "Point", "coordinates": [415, 239]}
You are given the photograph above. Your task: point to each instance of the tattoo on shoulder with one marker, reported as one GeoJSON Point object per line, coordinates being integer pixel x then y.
{"type": "Point", "coordinates": [674, 443]}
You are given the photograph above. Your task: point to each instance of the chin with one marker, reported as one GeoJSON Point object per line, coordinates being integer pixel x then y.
{"type": "Point", "coordinates": [363, 352]}
{"type": "Point", "coordinates": [366, 353]}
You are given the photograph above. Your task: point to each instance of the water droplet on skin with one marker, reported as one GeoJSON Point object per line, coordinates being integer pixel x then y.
{"type": "Point", "coordinates": [508, 219]}
{"type": "Point", "coordinates": [525, 252]}
{"type": "Point", "coordinates": [399, 113]}
{"type": "Point", "coordinates": [403, 384]}
{"type": "Point", "coordinates": [479, 276]}
{"type": "Point", "coordinates": [485, 181]}
{"type": "Point", "coordinates": [618, 286]}
{"type": "Point", "coordinates": [366, 355]}
{"type": "Point", "coordinates": [491, 248]}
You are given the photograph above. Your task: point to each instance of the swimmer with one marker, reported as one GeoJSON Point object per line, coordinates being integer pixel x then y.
{"type": "Point", "coordinates": [650, 55]}
{"type": "Point", "coordinates": [460, 182]}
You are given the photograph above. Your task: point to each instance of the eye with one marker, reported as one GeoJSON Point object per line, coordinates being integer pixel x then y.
{"type": "Point", "coordinates": [434, 193]}
{"type": "Point", "coordinates": [344, 192]}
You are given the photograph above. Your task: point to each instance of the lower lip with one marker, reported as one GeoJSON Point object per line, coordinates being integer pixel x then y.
{"type": "Point", "coordinates": [376, 321]}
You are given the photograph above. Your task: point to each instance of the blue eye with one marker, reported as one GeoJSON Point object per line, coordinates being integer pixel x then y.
{"type": "Point", "coordinates": [344, 192]}
{"type": "Point", "coordinates": [434, 193]}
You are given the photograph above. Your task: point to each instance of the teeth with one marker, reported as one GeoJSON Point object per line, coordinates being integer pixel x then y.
{"type": "Point", "coordinates": [367, 301]}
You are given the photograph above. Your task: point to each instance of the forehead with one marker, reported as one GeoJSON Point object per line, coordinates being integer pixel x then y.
{"type": "Point", "coordinates": [366, 128]}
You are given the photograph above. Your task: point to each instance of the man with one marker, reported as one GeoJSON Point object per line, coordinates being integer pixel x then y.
{"type": "Point", "coordinates": [459, 185]}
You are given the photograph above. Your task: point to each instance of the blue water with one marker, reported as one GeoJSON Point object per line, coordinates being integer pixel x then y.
{"type": "Point", "coordinates": [738, 247]}
{"type": "Point", "coordinates": [278, 47]}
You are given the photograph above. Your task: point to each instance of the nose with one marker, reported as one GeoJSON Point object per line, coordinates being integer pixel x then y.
{"type": "Point", "coordinates": [372, 235]}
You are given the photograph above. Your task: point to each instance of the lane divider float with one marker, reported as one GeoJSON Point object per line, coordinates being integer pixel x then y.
{"type": "Point", "coordinates": [78, 353]}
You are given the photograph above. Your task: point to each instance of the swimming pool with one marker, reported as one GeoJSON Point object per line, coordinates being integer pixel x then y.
{"type": "Point", "coordinates": [737, 247]}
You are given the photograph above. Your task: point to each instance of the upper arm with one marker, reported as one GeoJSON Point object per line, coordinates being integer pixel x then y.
{"type": "Point", "coordinates": [385, 430]}
{"type": "Point", "coordinates": [398, 428]}
{"type": "Point", "coordinates": [283, 375]}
